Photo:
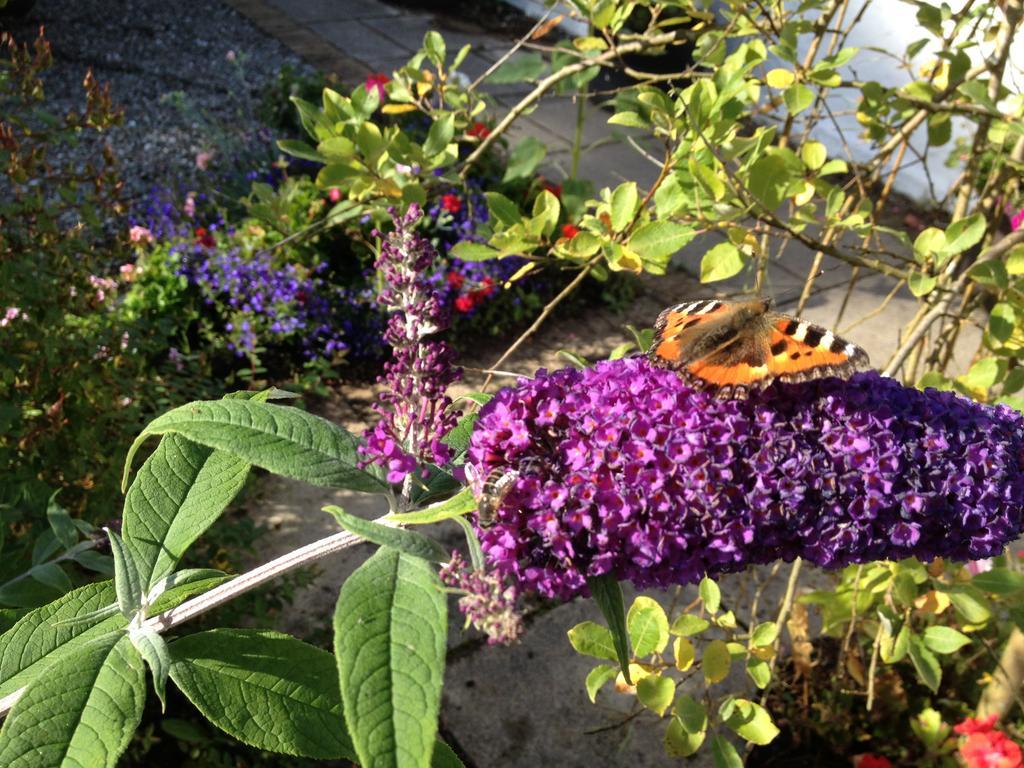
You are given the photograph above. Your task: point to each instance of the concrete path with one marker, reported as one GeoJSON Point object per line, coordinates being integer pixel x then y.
{"type": "Point", "coordinates": [526, 706]}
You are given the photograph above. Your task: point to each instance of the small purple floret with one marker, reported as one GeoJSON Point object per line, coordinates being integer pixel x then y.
{"type": "Point", "coordinates": [633, 473]}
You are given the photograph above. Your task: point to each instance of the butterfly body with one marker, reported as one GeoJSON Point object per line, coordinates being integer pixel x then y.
{"type": "Point", "coordinates": [733, 347]}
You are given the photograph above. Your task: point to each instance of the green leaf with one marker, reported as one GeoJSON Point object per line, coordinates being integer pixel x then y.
{"type": "Point", "coordinates": [691, 713]}
{"type": "Point", "coordinates": [265, 689]}
{"type": "Point", "coordinates": [928, 243]}
{"type": "Point", "coordinates": [723, 753]}
{"type": "Point", "coordinates": [925, 663]}
{"type": "Point", "coordinates": [410, 542]}
{"type": "Point", "coordinates": [982, 375]}
{"type": "Point", "coordinates": [964, 234]}
{"type": "Point", "coordinates": [520, 68]}
{"type": "Point", "coordinates": [991, 273]}
{"type": "Point", "coordinates": [944, 640]}
{"type": "Point", "coordinates": [280, 439]}
{"type": "Point", "coordinates": [82, 712]}
{"type": "Point", "coordinates": [658, 240]}
{"type": "Point", "coordinates": [43, 636]}
{"type": "Point", "coordinates": [524, 159]}
{"type": "Point", "coordinates": [798, 97]}
{"type": "Point", "coordinates": [153, 650]}
{"type": "Point", "coordinates": [52, 575]}
{"type": "Point", "coordinates": [680, 743]}
{"type": "Point", "coordinates": [502, 209]}
{"type": "Point", "coordinates": [470, 251]}
{"type": "Point", "coordinates": [648, 627]}
{"type": "Point", "coordinates": [716, 661]}
{"type": "Point", "coordinates": [597, 677]}
{"type": "Point", "coordinates": [607, 593]}
{"type": "Point", "coordinates": [546, 210]}
{"type": "Point", "coordinates": [444, 757]}
{"type": "Point", "coordinates": [687, 625]}
{"type": "Point", "coordinates": [814, 154]}
{"type": "Point", "coordinates": [999, 581]}
{"type": "Point", "coordinates": [60, 523]}
{"type": "Point", "coordinates": [127, 582]}
{"type": "Point", "coordinates": [764, 634]}
{"type": "Point", "coordinates": [752, 722]}
{"type": "Point", "coordinates": [181, 489]}
{"type": "Point", "coordinates": [656, 692]}
{"type": "Point", "coordinates": [440, 135]}
{"type": "Point", "coordinates": [433, 44]}
{"type": "Point", "coordinates": [301, 149]}
{"type": "Point", "coordinates": [768, 179]}
{"type": "Point", "coordinates": [710, 594]}
{"type": "Point", "coordinates": [592, 639]}
{"type": "Point", "coordinates": [759, 671]}
{"type": "Point", "coordinates": [921, 284]}
{"type": "Point", "coordinates": [390, 627]}
{"type": "Point", "coordinates": [624, 201]}
{"type": "Point", "coordinates": [1001, 322]}
{"type": "Point", "coordinates": [458, 505]}
{"type": "Point", "coordinates": [720, 263]}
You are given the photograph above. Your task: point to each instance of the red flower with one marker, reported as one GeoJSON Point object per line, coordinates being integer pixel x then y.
{"type": "Point", "coordinates": [455, 280]}
{"type": "Point", "coordinates": [977, 725]}
{"type": "Point", "coordinates": [377, 81]}
{"type": "Point", "coordinates": [990, 749]}
{"type": "Point", "coordinates": [554, 189]}
{"type": "Point", "coordinates": [334, 194]}
{"type": "Point", "coordinates": [205, 238]}
{"type": "Point", "coordinates": [464, 303]}
{"type": "Point", "coordinates": [570, 231]}
{"type": "Point", "coordinates": [873, 761]}
{"type": "Point", "coordinates": [479, 131]}
{"type": "Point", "coordinates": [451, 203]}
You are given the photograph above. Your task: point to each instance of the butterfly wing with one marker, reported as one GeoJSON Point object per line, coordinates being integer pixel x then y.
{"type": "Point", "coordinates": [677, 328]}
{"type": "Point", "coordinates": [800, 351]}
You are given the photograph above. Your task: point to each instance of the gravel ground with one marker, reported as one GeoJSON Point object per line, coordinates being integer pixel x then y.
{"type": "Point", "coordinates": [149, 50]}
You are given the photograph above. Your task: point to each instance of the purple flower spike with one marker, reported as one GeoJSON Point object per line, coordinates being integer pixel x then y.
{"type": "Point", "coordinates": [414, 409]}
{"type": "Point", "coordinates": [624, 469]}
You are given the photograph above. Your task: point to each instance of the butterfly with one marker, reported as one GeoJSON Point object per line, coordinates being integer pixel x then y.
{"type": "Point", "coordinates": [733, 347]}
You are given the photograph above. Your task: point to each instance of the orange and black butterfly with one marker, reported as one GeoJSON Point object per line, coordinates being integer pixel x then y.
{"type": "Point", "coordinates": [734, 347]}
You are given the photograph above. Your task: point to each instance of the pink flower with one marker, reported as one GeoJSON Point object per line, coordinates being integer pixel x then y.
{"type": "Point", "coordinates": [376, 82]}
{"type": "Point", "coordinates": [203, 160]}
{"type": "Point", "coordinates": [1017, 220]}
{"type": "Point", "coordinates": [10, 315]}
{"type": "Point", "coordinates": [125, 338]}
{"type": "Point", "coordinates": [977, 725]}
{"type": "Point", "coordinates": [101, 286]}
{"type": "Point", "coordinates": [189, 209]}
{"type": "Point", "coordinates": [334, 194]}
{"type": "Point", "coordinates": [127, 272]}
{"type": "Point", "coordinates": [139, 234]}
{"type": "Point", "coordinates": [230, 56]}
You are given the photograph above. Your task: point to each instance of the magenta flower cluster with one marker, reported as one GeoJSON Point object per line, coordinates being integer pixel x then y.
{"type": "Point", "coordinates": [415, 410]}
{"type": "Point", "coordinates": [626, 470]}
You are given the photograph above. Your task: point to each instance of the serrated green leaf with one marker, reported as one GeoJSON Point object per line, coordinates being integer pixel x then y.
{"type": "Point", "coordinates": [266, 689]}
{"type": "Point", "coordinates": [178, 493]}
{"type": "Point", "coordinates": [40, 638]}
{"type": "Point", "coordinates": [390, 627]}
{"type": "Point", "coordinates": [752, 722]}
{"type": "Point", "coordinates": [944, 640]}
{"type": "Point", "coordinates": [716, 661]}
{"type": "Point", "coordinates": [710, 594]}
{"type": "Point", "coordinates": [410, 542]}
{"type": "Point", "coordinates": [597, 677]}
{"type": "Point", "coordinates": [656, 692]}
{"type": "Point", "coordinates": [153, 650]}
{"type": "Point", "coordinates": [280, 439]}
{"type": "Point", "coordinates": [648, 627]}
{"type": "Point", "coordinates": [624, 202]}
{"type": "Point", "coordinates": [592, 639]}
{"type": "Point", "coordinates": [658, 240]}
{"type": "Point", "coordinates": [82, 712]}
{"type": "Point", "coordinates": [607, 593]}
